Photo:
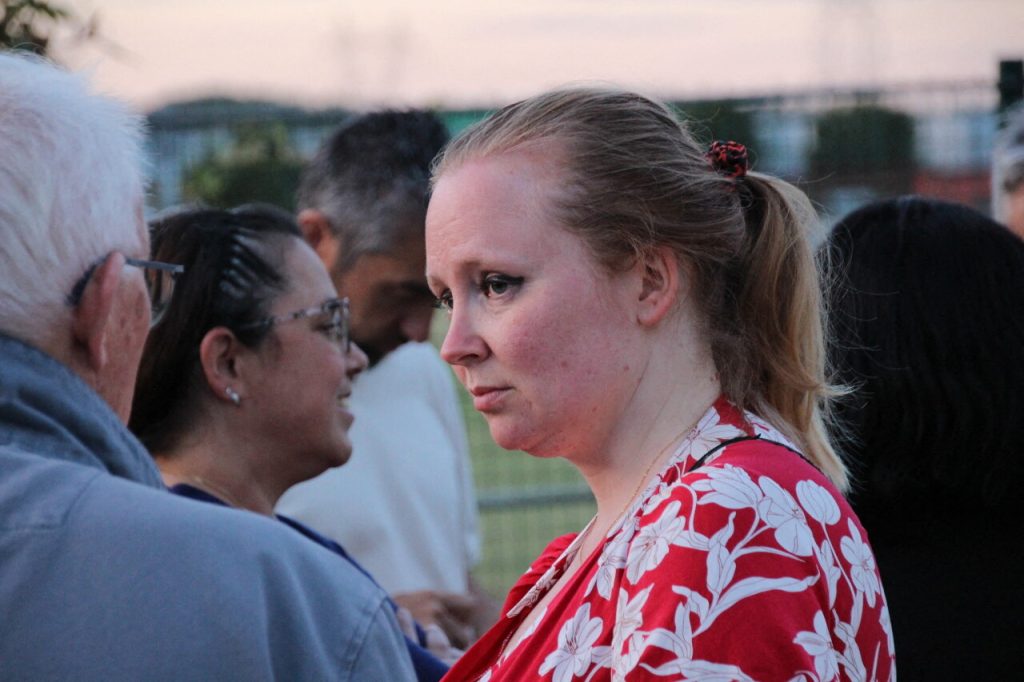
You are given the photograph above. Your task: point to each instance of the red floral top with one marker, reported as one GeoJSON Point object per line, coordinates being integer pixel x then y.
{"type": "Point", "coordinates": [742, 564]}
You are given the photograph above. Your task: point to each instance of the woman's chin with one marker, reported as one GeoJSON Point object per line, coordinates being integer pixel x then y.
{"type": "Point", "coordinates": [509, 436]}
{"type": "Point", "coordinates": [343, 454]}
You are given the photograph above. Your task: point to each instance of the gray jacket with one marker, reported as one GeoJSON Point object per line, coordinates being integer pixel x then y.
{"type": "Point", "coordinates": [106, 575]}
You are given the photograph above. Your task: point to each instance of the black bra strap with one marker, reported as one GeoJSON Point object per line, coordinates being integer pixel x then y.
{"type": "Point", "coordinates": [703, 460]}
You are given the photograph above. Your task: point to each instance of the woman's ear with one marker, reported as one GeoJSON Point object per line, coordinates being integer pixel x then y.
{"type": "Point", "coordinates": [660, 281]}
{"type": "Point", "coordinates": [219, 357]}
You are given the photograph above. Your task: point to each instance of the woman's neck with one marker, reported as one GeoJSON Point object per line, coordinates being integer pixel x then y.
{"type": "Point", "coordinates": [225, 468]}
{"type": "Point", "coordinates": [669, 401]}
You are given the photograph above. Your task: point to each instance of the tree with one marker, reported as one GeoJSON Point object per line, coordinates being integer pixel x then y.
{"type": "Point", "coordinates": [30, 24]}
{"type": "Point", "coordinates": [719, 120]}
{"type": "Point", "coordinates": [863, 140]}
{"type": "Point", "coordinates": [261, 165]}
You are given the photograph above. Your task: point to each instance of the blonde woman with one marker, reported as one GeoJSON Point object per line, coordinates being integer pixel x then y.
{"type": "Point", "coordinates": [649, 311]}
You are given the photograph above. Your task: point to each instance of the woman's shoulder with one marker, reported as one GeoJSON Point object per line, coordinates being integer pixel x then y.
{"type": "Point", "coordinates": [756, 540]}
{"type": "Point", "coordinates": [765, 456]}
{"type": "Point", "coordinates": [763, 476]}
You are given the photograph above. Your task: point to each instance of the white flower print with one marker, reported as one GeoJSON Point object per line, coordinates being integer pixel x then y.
{"type": "Point", "coordinates": [720, 564]}
{"type": "Point", "coordinates": [851, 657]}
{"type": "Point", "coordinates": [547, 580]}
{"type": "Point", "coordinates": [601, 657]}
{"type": "Point", "coordinates": [575, 647]}
{"type": "Point", "coordinates": [783, 514]}
{"type": "Point", "coordinates": [679, 641]}
{"type": "Point", "coordinates": [827, 559]}
{"type": "Point", "coordinates": [700, 671]}
{"type": "Point", "coordinates": [692, 539]}
{"type": "Point", "coordinates": [862, 564]}
{"type": "Point", "coordinates": [818, 502]}
{"type": "Point", "coordinates": [539, 588]}
{"type": "Point", "coordinates": [651, 544]}
{"type": "Point", "coordinates": [625, 663]}
{"type": "Point", "coordinates": [887, 627]}
{"type": "Point", "coordinates": [819, 645]}
{"type": "Point", "coordinates": [629, 618]}
{"type": "Point", "coordinates": [629, 614]}
{"type": "Point", "coordinates": [701, 551]}
{"type": "Point", "coordinates": [695, 602]}
{"type": "Point", "coordinates": [613, 558]}
{"type": "Point", "coordinates": [769, 432]}
{"type": "Point", "coordinates": [728, 487]}
{"type": "Point", "coordinates": [748, 587]}
{"type": "Point", "coordinates": [661, 492]}
{"type": "Point", "coordinates": [708, 434]}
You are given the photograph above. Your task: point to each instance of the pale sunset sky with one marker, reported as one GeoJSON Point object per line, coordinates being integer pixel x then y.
{"type": "Point", "coordinates": [362, 53]}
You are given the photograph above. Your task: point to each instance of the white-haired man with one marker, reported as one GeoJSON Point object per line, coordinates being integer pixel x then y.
{"type": "Point", "coordinates": [105, 575]}
{"type": "Point", "coordinates": [1008, 173]}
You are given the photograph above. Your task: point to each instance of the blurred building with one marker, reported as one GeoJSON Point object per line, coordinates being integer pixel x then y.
{"type": "Point", "coordinates": [842, 147]}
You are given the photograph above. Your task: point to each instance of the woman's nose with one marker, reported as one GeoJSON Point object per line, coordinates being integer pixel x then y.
{"type": "Point", "coordinates": [463, 344]}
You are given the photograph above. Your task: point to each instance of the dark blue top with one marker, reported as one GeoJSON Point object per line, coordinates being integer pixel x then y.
{"type": "Point", "coordinates": [428, 667]}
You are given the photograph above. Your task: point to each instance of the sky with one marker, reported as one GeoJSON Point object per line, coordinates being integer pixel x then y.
{"type": "Point", "coordinates": [458, 53]}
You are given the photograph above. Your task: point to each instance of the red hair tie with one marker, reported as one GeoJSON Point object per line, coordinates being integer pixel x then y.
{"type": "Point", "coordinates": [728, 158]}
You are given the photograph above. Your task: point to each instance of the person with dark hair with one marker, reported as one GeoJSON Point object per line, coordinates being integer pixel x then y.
{"type": "Point", "coordinates": [104, 575]}
{"type": "Point", "coordinates": [926, 309]}
{"type": "Point", "coordinates": [650, 311]}
{"type": "Point", "coordinates": [243, 385]}
{"type": "Point", "coordinates": [362, 202]}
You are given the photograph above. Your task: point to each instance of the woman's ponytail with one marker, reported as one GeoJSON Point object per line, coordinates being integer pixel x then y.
{"type": "Point", "coordinates": [779, 313]}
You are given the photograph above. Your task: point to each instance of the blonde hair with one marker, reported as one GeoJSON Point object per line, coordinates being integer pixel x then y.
{"type": "Point", "coordinates": [637, 180]}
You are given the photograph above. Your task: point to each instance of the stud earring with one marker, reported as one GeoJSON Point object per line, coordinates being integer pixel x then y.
{"type": "Point", "coordinates": [233, 396]}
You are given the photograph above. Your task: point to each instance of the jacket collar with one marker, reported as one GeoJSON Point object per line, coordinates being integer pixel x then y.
{"type": "Point", "coordinates": [48, 410]}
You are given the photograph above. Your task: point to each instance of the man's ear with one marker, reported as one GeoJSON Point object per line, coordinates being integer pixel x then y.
{"type": "Point", "coordinates": [660, 279]}
{"type": "Point", "coordinates": [91, 319]}
{"type": "Point", "coordinates": [219, 358]}
{"type": "Point", "coordinates": [316, 229]}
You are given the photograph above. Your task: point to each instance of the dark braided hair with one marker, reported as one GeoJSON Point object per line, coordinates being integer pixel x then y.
{"type": "Point", "coordinates": [233, 270]}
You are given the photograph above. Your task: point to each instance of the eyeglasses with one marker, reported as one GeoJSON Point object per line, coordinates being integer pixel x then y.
{"type": "Point", "coordinates": [336, 309]}
{"type": "Point", "coordinates": [160, 278]}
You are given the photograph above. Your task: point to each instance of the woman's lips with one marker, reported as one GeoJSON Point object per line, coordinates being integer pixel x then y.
{"type": "Point", "coordinates": [341, 405]}
{"type": "Point", "coordinates": [487, 398]}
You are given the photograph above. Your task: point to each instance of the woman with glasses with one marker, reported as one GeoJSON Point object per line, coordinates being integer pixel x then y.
{"type": "Point", "coordinates": [649, 310]}
{"type": "Point", "coordinates": [243, 383]}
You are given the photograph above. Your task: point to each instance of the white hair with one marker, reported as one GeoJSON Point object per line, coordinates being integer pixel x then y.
{"type": "Point", "coordinates": [70, 189]}
{"type": "Point", "coordinates": [1007, 161]}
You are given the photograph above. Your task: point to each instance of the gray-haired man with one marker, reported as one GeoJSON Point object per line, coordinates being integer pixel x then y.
{"type": "Point", "coordinates": [105, 575]}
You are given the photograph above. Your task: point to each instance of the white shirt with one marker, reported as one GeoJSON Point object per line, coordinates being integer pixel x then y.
{"type": "Point", "coordinates": [404, 505]}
